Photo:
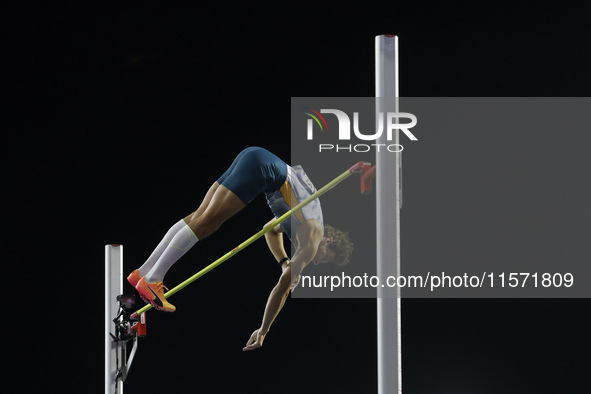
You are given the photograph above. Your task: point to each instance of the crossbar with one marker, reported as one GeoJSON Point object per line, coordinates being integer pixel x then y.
{"type": "Point", "coordinates": [355, 168]}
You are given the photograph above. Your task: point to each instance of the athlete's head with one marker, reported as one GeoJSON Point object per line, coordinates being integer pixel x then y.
{"type": "Point", "coordinates": [336, 247]}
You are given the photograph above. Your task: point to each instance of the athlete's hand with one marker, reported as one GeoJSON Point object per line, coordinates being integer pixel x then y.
{"type": "Point", "coordinates": [255, 341]}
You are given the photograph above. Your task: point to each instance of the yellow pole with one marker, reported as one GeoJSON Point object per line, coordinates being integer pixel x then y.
{"type": "Point", "coordinates": [250, 240]}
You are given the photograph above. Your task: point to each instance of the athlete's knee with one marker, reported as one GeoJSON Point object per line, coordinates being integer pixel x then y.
{"type": "Point", "coordinates": [206, 224]}
{"type": "Point", "coordinates": [193, 216]}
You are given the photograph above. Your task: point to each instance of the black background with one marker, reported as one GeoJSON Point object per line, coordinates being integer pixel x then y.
{"type": "Point", "coordinates": [120, 117]}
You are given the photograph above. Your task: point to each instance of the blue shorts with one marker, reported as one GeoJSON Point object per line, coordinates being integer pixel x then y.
{"type": "Point", "coordinates": [253, 171]}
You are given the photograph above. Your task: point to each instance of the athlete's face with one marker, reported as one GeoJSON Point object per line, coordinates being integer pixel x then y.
{"type": "Point", "coordinates": [324, 254]}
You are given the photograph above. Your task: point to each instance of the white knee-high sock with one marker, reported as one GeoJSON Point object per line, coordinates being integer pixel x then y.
{"type": "Point", "coordinates": [178, 246]}
{"type": "Point", "coordinates": [144, 269]}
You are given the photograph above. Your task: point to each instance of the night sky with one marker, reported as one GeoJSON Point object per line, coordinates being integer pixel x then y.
{"type": "Point", "coordinates": [121, 116]}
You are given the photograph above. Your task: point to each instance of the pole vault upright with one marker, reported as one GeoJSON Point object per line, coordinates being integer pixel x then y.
{"type": "Point", "coordinates": [113, 288]}
{"type": "Point", "coordinates": [388, 203]}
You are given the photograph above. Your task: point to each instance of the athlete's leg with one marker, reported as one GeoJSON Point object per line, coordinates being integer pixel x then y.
{"type": "Point", "coordinates": [134, 277]}
{"type": "Point", "coordinates": [223, 205]}
{"type": "Point", "coordinates": [189, 218]}
{"type": "Point", "coordinates": [218, 206]}
{"type": "Point", "coordinates": [149, 263]}
{"type": "Point", "coordinates": [204, 204]}
{"type": "Point", "coordinates": [253, 171]}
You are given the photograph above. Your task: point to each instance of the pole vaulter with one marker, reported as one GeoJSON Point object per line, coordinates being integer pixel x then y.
{"type": "Point", "coordinates": [122, 326]}
{"type": "Point", "coordinates": [367, 174]}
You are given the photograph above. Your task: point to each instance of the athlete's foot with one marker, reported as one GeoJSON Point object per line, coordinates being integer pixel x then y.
{"type": "Point", "coordinates": [153, 293]}
{"type": "Point", "coordinates": [134, 277]}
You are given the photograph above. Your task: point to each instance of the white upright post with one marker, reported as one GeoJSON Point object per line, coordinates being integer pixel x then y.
{"type": "Point", "coordinates": [388, 201]}
{"type": "Point", "coordinates": [113, 288]}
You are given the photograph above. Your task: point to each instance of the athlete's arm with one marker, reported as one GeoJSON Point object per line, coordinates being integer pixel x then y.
{"type": "Point", "coordinates": [309, 236]}
{"type": "Point", "coordinates": [274, 240]}
{"type": "Point", "coordinates": [275, 302]}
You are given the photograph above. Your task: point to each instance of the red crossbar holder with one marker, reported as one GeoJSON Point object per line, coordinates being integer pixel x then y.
{"type": "Point", "coordinates": [139, 326]}
{"type": "Point", "coordinates": [367, 174]}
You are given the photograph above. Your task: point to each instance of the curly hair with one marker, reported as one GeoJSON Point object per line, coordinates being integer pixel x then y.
{"type": "Point", "coordinates": [341, 244]}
